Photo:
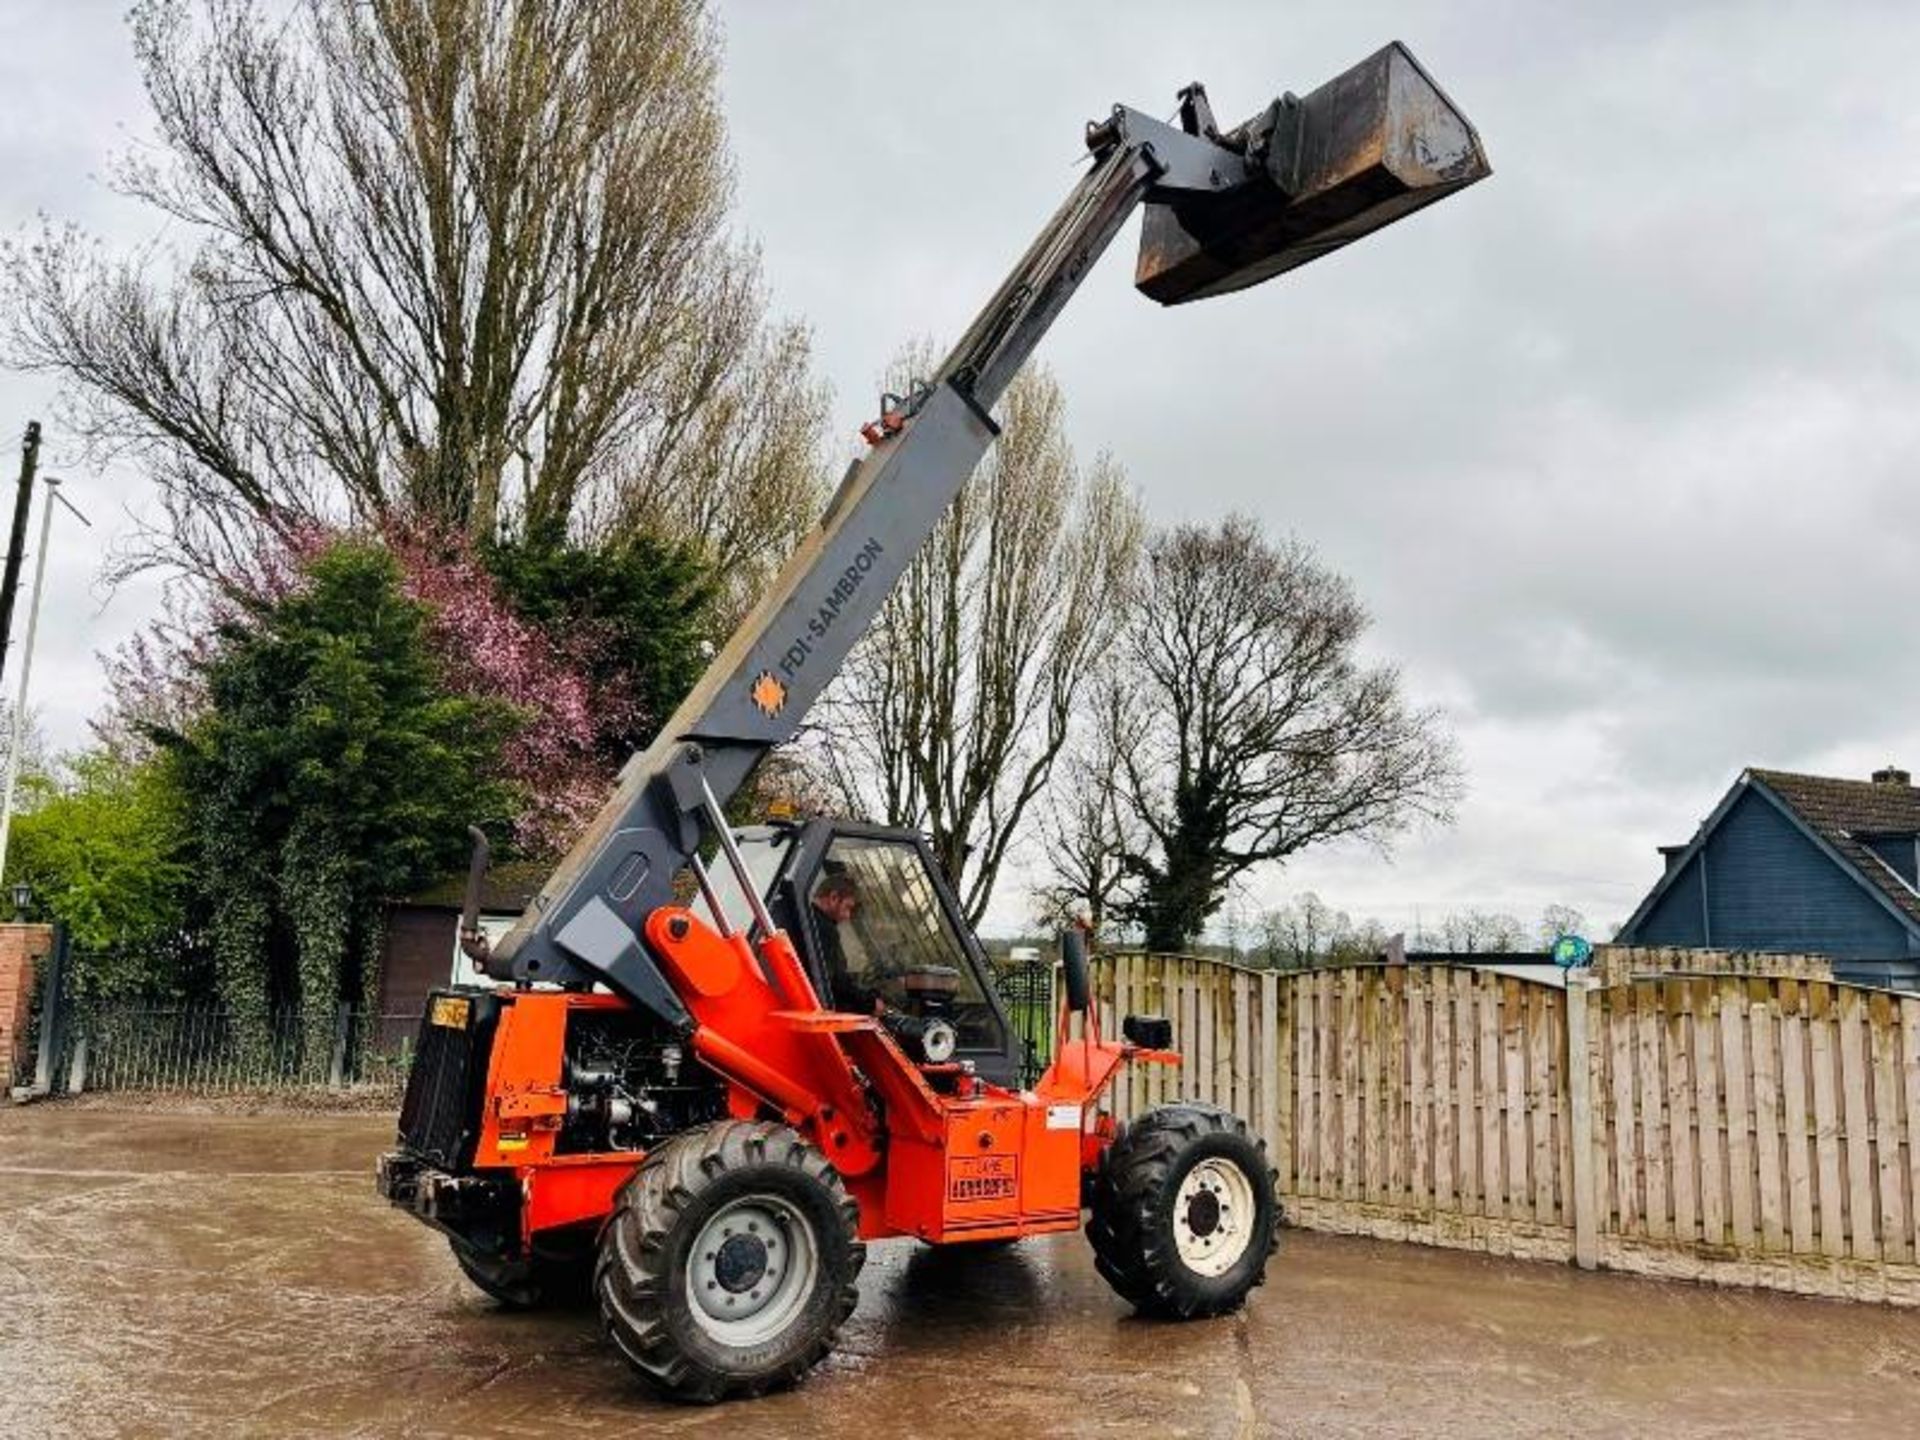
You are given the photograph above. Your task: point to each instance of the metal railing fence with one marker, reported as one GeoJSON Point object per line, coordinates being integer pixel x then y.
{"type": "Point", "coordinates": [170, 1047]}
{"type": "Point", "coordinates": [1025, 987]}
{"type": "Point", "coordinates": [205, 1049]}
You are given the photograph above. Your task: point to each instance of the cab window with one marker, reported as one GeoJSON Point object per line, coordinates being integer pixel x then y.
{"type": "Point", "coordinates": [884, 936]}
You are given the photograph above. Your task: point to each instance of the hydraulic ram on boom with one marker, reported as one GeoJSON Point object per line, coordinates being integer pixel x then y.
{"type": "Point", "coordinates": [1224, 210]}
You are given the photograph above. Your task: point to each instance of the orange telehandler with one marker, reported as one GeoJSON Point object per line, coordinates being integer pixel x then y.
{"type": "Point", "coordinates": [700, 1089]}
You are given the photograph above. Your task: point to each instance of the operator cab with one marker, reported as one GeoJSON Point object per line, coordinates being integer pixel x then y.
{"type": "Point", "coordinates": [875, 921]}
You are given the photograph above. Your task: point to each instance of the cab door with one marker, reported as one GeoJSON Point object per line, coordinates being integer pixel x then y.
{"type": "Point", "coordinates": [876, 920]}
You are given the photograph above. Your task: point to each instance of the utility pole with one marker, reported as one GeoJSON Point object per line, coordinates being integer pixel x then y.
{"type": "Point", "coordinates": [26, 662]}
{"type": "Point", "coordinates": [17, 541]}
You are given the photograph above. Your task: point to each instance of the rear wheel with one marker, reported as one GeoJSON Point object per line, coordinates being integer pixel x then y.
{"type": "Point", "coordinates": [1184, 1214]}
{"type": "Point", "coordinates": [729, 1262]}
{"type": "Point", "coordinates": [534, 1283]}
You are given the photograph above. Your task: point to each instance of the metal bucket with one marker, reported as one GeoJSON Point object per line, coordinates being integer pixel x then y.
{"type": "Point", "coordinates": [1365, 149]}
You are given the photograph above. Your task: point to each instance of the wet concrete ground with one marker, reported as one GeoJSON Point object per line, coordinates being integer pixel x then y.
{"type": "Point", "coordinates": [195, 1275]}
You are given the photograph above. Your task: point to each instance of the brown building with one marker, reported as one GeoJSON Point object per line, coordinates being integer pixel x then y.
{"type": "Point", "coordinates": [423, 934]}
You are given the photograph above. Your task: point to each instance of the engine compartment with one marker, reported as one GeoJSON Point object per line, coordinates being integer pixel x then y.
{"type": "Point", "coordinates": [630, 1084]}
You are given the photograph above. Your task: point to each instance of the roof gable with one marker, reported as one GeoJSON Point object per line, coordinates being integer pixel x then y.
{"type": "Point", "coordinates": [1832, 814]}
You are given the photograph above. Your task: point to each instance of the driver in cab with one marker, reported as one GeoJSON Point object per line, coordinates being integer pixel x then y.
{"type": "Point", "coordinates": [836, 900]}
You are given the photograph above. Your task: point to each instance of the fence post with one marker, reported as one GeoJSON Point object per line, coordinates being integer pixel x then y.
{"type": "Point", "coordinates": [52, 1012]}
{"type": "Point", "coordinates": [77, 1067]}
{"type": "Point", "coordinates": [1586, 1245]}
{"type": "Point", "coordinates": [337, 1069]}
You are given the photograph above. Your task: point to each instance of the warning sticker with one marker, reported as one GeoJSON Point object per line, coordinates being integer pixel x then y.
{"type": "Point", "coordinates": [1063, 1117]}
{"type": "Point", "coordinates": [983, 1177]}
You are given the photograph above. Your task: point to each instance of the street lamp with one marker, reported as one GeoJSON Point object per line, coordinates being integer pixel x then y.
{"type": "Point", "coordinates": [22, 901]}
{"type": "Point", "coordinates": [52, 482]}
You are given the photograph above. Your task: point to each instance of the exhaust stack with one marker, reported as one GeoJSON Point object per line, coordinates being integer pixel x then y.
{"type": "Point", "coordinates": [1364, 150]}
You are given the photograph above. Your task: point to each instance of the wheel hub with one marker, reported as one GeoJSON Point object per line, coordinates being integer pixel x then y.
{"type": "Point", "coordinates": [1213, 1216]}
{"type": "Point", "coordinates": [751, 1269]}
{"type": "Point", "coordinates": [740, 1263]}
{"type": "Point", "coordinates": [1203, 1213]}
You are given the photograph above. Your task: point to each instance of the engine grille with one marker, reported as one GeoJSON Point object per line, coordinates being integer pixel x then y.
{"type": "Point", "coordinates": [440, 1116]}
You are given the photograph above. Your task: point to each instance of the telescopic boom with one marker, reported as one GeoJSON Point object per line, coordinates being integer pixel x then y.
{"type": "Point", "coordinates": [1224, 210]}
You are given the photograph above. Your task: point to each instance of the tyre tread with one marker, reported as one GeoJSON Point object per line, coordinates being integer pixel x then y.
{"type": "Point", "coordinates": [1129, 1250]}
{"type": "Point", "coordinates": [631, 1275]}
{"type": "Point", "coordinates": [529, 1283]}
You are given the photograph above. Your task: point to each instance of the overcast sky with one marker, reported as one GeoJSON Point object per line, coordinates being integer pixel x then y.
{"type": "Point", "coordinates": [1619, 447]}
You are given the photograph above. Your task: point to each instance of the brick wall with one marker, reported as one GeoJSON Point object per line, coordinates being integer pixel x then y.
{"type": "Point", "coordinates": [20, 947]}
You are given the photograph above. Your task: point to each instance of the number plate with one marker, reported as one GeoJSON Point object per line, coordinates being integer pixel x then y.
{"type": "Point", "coordinates": [983, 1177]}
{"type": "Point", "coordinates": [450, 1011]}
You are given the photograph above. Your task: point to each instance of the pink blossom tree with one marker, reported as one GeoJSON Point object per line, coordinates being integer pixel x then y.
{"type": "Point", "coordinates": [555, 757]}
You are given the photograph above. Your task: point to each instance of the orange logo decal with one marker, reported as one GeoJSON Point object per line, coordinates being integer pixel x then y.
{"type": "Point", "coordinates": [768, 693]}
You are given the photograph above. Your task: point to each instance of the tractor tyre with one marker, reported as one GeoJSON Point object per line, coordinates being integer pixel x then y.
{"type": "Point", "coordinates": [1184, 1214]}
{"type": "Point", "coordinates": [540, 1282]}
{"type": "Point", "coordinates": [728, 1265]}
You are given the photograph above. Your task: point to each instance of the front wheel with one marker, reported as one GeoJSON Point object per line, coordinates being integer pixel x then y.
{"type": "Point", "coordinates": [729, 1263]}
{"type": "Point", "coordinates": [1184, 1214]}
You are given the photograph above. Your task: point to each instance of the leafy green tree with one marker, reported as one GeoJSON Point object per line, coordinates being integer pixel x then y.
{"type": "Point", "coordinates": [106, 846]}
{"type": "Point", "coordinates": [632, 617]}
{"type": "Point", "coordinates": [330, 769]}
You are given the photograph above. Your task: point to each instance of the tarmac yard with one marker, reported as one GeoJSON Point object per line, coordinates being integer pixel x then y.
{"type": "Point", "coordinates": [175, 1274]}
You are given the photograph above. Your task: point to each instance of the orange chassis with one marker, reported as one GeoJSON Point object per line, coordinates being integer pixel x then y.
{"type": "Point", "coordinates": [966, 1161]}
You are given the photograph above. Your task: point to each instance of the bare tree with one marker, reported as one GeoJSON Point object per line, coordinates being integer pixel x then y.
{"type": "Point", "coordinates": [1482, 932]}
{"type": "Point", "coordinates": [1308, 931]}
{"type": "Point", "coordinates": [1252, 729]}
{"type": "Point", "coordinates": [1302, 932]}
{"type": "Point", "coordinates": [1364, 941]}
{"type": "Point", "coordinates": [951, 713]}
{"type": "Point", "coordinates": [742, 474]}
{"type": "Point", "coordinates": [456, 260]}
{"type": "Point", "coordinates": [1088, 827]}
{"type": "Point", "coordinates": [1557, 921]}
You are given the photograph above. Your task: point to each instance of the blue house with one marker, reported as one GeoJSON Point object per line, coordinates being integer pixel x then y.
{"type": "Point", "coordinates": [1799, 863]}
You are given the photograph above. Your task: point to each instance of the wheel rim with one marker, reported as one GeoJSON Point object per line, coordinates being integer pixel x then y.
{"type": "Point", "coordinates": [1213, 1216]}
{"type": "Point", "coordinates": [751, 1270]}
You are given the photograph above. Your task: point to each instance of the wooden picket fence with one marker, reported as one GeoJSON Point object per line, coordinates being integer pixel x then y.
{"type": "Point", "coordinates": [1741, 1122]}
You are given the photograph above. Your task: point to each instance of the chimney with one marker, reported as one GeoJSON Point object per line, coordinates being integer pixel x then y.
{"type": "Point", "coordinates": [1892, 775]}
{"type": "Point", "coordinates": [1671, 854]}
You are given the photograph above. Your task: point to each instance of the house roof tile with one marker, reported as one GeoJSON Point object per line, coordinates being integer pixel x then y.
{"type": "Point", "coordinates": [1845, 813]}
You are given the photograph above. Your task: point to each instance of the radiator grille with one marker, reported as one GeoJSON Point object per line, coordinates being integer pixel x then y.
{"type": "Point", "coordinates": [440, 1116]}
